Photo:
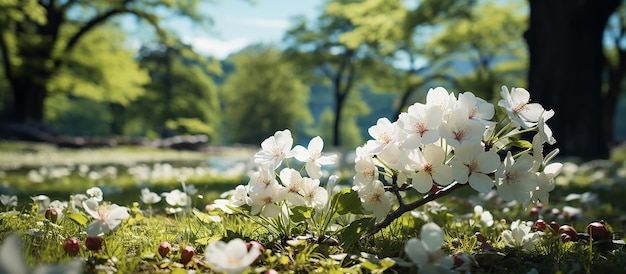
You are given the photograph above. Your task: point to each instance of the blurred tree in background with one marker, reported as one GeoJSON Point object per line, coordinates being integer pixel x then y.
{"type": "Point", "coordinates": [319, 54]}
{"type": "Point", "coordinates": [399, 35]}
{"type": "Point", "coordinates": [38, 37]}
{"type": "Point", "coordinates": [263, 95]}
{"type": "Point", "coordinates": [69, 64]}
{"type": "Point", "coordinates": [97, 75]}
{"type": "Point", "coordinates": [182, 97]}
{"type": "Point", "coordinates": [488, 48]}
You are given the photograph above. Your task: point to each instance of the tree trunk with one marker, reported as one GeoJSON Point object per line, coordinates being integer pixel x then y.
{"type": "Point", "coordinates": [566, 61]}
{"type": "Point", "coordinates": [28, 103]}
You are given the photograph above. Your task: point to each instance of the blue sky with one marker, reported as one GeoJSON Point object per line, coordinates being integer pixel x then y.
{"type": "Point", "coordinates": [238, 23]}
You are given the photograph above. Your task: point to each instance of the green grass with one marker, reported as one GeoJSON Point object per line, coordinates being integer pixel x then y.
{"type": "Point", "coordinates": [133, 247]}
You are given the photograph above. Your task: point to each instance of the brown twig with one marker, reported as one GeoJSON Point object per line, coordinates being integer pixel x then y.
{"type": "Point", "coordinates": [403, 208]}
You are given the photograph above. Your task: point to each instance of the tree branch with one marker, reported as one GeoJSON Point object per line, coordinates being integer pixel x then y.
{"type": "Point", "coordinates": [403, 208]}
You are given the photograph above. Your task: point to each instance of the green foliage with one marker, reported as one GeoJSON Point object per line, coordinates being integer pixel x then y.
{"type": "Point", "coordinates": [133, 247]}
{"type": "Point", "coordinates": [100, 70]}
{"type": "Point", "coordinates": [181, 95]}
{"type": "Point", "coordinates": [41, 52]}
{"type": "Point", "coordinates": [78, 115]}
{"type": "Point", "coordinates": [492, 46]}
{"type": "Point", "coordinates": [263, 95]}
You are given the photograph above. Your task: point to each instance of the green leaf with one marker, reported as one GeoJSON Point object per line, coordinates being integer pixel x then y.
{"type": "Point", "coordinates": [301, 213]}
{"type": "Point", "coordinates": [521, 144]}
{"type": "Point", "coordinates": [203, 217]}
{"type": "Point", "coordinates": [78, 218]}
{"type": "Point", "coordinates": [353, 232]}
{"type": "Point", "coordinates": [347, 201]}
{"type": "Point", "coordinates": [207, 240]}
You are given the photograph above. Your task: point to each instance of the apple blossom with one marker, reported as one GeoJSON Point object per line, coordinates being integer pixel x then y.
{"type": "Point", "coordinates": [375, 199]}
{"type": "Point", "coordinates": [473, 164]}
{"type": "Point", "coordinates": [148, 197]}
{"type": "Point", "coordinates": [232, 257]}
{"type": "Point", "coordinates": [312, 156]}
{"type": "Point", "coordinates": [107, 217]}
{"type": "Point", "coordinates": [428, 166]}
{"type": "Point", "coordinates": [521, 113]}
{"type": "Point", "coordinates": [519, 236]}
{"type": "Point", "coordinates": [514, 180]}
{"type": "Point", "coordinates": [420, 125]}
{"type": "Point", "coordinates": [426, 251]}
{"type": "Point", "coordinates": [8, 201]}
{"type": "Point", "coordinates": [274, 149]}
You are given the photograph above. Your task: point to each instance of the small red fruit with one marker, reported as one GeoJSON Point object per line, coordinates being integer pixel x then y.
{"type": "Point", "coordinates": [565, 238]}
{"type": "Point", "coordinates": [52, 215]}
{"type": "Point", "coordinates": [480, 237]}
{"type": "Point", "coordinates": [598, 231]}
{"type": "Point", "coordinates": [570, 231]}
{"type": "Point", "coordinates": [555, 226]}
{"type": "Point", "coordinates": [187, 254]}
{"type": "Point", "coordinates": [540, 225]}
{"type": "Point", "coordinates": [93, 243]}
{"type": "Point", "coordinates": [258, 245]}
{"type": "Point", "coordinates": [71, 246]}
{"type": "Point", "coordinates": [164, 248]}
{"type": "Point", "coordinates": [534, 212]}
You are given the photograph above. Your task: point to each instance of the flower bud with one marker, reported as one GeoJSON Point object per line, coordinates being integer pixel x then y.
{"type": "Point", "coordinates": [570, 231]}
{"type": "Point", "coordinates": [52, 214]}
{"type": "Point", "coordinates": [540, 225]}
{"type": "Point", "coordinates": [534, 212]}
{"type": "Point", "coordinates": [93, 243]}
{"type": "Point", "coordinates": [598, 231]}
{"type": "Point", "coordinates": [187, 254]}
{"type": "Point", "coordinates": [251, 244]}
{"type": "Point", "coordinates": [554, 226]}
{"type": "Point", "coordinates": [480, 237]}
{"type": "Point", "coordinates": [164, 249]}
{"type": "Point", "coordinates": [71, 246]}
{"type": "Point", "coordinates": [565, 238]}
{"type": "Point", "coordinates": [456, 242]}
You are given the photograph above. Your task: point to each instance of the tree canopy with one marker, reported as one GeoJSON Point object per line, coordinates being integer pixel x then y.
{"type": "Point", "coordinates": [263, 95]}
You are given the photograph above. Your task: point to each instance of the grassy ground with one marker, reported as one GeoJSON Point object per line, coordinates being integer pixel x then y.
{"type": "Point", "coordinates": [586, 192]}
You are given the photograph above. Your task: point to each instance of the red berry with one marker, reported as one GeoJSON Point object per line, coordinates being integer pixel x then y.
{"type": "Point", "coordinates": [480, 237]}
{"type": "Point", "coordinates": [51, 214]}
{"type": "Point", "coordinates": [570, 231]}
{"type": "Point", "coordinates": [598, 231]}
{"type": "Point", "coordinates": [534, 211]}
{"type": "Point", "coordinates": [540, 225]}
{"type": "Point", "coordinates": [164, 248]}
{"type": "Point", "coordinates": [71, 246]}
{"type": "Point", "coordinates": [555, 226]}
{"type": "Point", "coordinates": [565, 238]}
{"type": "Point", "coordinates": [486, 246]}
{"type": "Point", "coordinates": [187, 254]}
{"type": "Point", "coordinates": [252, 244]}
{"type": "Point", "coordinates": [93, 243]}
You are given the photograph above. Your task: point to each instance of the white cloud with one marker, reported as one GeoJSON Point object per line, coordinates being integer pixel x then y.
{"type": "Point", "coordinates": [214, 47]}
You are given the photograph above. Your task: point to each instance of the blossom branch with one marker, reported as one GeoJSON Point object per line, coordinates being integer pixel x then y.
{"type": "Point", "coordinates": [403, 208]}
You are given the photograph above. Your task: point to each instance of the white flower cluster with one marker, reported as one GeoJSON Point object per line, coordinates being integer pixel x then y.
{"type": "Point", "coordinates": [450, 139]}
{"type": "Point", "coordinates": [266, 193]}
